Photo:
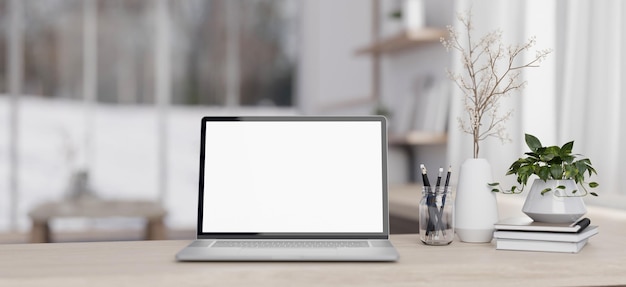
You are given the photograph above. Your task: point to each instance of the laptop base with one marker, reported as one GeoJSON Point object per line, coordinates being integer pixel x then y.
{"type": "Point", "coordinates": [200, 250]}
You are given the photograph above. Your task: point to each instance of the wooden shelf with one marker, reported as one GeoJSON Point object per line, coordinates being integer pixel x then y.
{"type": "Point", "coordinates": [404, 40]}
{"type": "Point", "coordinates": [417, 138]}
{"type": "Point", "coordinates": [349, 103]}
{"type": "Point", "coordinates": [412, 139]}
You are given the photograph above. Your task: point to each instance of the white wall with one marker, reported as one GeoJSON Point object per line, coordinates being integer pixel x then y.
{"type": "Point", "coordinates": [330, 72]}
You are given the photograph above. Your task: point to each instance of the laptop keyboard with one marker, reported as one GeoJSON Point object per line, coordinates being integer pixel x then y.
{"type": "Point", "coordinates": [290, 244]}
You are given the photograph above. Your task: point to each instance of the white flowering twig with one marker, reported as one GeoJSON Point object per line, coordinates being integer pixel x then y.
{"type": "Point", "coordinates": [490, 72]}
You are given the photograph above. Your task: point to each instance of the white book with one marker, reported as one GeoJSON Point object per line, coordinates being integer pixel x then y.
{"type": "Point", "coordinates": [540, 245]}
{"type": "Point", "coordinates": [547, 236]}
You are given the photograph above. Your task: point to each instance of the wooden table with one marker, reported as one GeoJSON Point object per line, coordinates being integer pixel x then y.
{"type": "Point", "coordinates": [151, 263]}
{"type": "Point", "coordinates": [602, 262]}
{"type": "Point", "coordinates": [96, 208]}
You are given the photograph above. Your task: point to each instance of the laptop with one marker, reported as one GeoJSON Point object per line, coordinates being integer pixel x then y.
{"type": "Point", "coordinates": [292, 189]}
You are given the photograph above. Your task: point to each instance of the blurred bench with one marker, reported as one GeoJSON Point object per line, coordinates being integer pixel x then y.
{"type": "Point", "coordinates": [41, 215]}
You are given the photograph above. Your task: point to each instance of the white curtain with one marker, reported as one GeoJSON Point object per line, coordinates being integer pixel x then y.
{"type": "Point", "coordinates": [591, 85]}
{"type": "Point", "coordinates": [575, 95]}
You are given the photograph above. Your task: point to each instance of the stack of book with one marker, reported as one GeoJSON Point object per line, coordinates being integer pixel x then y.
{"type": "Point", "coordinates": [522, 233]}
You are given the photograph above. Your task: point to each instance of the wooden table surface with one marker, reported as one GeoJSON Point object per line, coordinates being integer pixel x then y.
{"type": "Point", "coordinates": [151, 263]}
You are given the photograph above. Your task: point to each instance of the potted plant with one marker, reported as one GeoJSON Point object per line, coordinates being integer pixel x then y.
{"type": "Point", "coordinates": [490, 71]}
{"type": "Point", "coordinates": [554, 196]}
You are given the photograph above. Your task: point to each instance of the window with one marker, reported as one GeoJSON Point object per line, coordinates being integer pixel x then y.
{"type": "Point", "coordinates": [117, 88]}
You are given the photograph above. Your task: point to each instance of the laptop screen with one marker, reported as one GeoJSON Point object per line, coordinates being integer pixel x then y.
{"type": "Point", "coordinates": [293, 175]}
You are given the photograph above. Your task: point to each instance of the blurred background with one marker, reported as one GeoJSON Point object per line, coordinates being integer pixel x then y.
{"type": "Point", "coordinates": [102, 99]}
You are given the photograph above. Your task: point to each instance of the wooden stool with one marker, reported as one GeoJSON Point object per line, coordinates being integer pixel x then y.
{"type": "Point", "coordinates": [94, 208]}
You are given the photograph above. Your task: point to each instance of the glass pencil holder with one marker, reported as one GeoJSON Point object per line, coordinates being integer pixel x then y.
{"type": "Point", "coordinates": [436, 215]}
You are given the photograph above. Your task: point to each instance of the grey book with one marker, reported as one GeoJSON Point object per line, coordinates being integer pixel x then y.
{"type": "Point", "coordinates": [527, 224]}
{"type": "Point", "coordinates": [547, 236]}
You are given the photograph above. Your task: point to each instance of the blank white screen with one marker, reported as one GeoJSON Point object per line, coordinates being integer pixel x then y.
{"type": "Point", "coordinates": [293, 177]}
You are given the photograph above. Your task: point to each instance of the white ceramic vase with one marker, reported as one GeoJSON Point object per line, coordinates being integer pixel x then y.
{"type": "Point", "coordinates": [413, 15]}
{"type": "Point", "coordinates": [476, 207]}
{"type": "Point", "coordinates": [556, 206]}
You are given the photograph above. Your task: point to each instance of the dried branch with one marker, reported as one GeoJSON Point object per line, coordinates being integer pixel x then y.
{"type": "Point", "coordinates": [489, 74]}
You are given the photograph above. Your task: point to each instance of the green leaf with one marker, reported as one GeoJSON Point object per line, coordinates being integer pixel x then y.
{"type": "Point", "coordinates": [544, 173]}
{"type": "Point", "coordinates": [570, 171]}
{"type": "Point", "coordinates": [532, 156]}
{"type": "Point", "coordinates": [527, 169]}
{"type": "Point", "coordinates": [556, 171]}
{"type": "Point", "coordinates": [568, 158]}
{"type": "Point", "coordinates": [566, 149]}
{"type": "Point", "coordinates": [553, 150]}
{"type": "Point", "coordinates": [593, 184]}
{"type": "Point", "coordinates": [513, 188]}
{"type": "Point", "coordinates": [524, 179]}
{"type": "Point", "coordinates": [591, 170]}
{"type": "Point", "coordinates": [546, 190]}
{"type": "Point", "coordinates": [593, 193]}
{"type": "Point", "coordinates": [493, 184]}
{"type": "Point", "coordinates": [581, 167]}
{"type": "Point", "coordinates": [495, 190]}
{"type": "Point", "coordinates": [514, 167]}
{"type": "Point", "coordinates": [547, 157]}
{"type": "Point", "coordinates": [561, 187]}
{"type": "Point", "coordinates": [533, 142]}
{"type": "Point", "coordinates": [396, 14]}
{"type": "Point", "coordinates": [574, 191]}
{"type": "Point", "coordinates": [579, 178]}
{"type": "Point", "coordinates": [551, 155]}
{"type": "Point", "coordinates": [515, 164]}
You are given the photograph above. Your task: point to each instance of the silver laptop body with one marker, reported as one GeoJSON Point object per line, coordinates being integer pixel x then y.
{"type": "Point", "coordinates": [292, 189]}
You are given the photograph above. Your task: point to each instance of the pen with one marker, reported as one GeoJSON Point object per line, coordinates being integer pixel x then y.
{"type": "Point", "coordinates": [443, 200]}
{"type": "Point", "coordinates": [430, 202]}
{"type": "Point", "coordinates": [447, 184]}
{"type": "Point", "coordinates": [424, 175]}
{"type": "Point", "coordinates": [438, 179]}
{"type": "Point", "coordinates": [435, 212]}
{"type": "Point", "coordinates": [448, 177]}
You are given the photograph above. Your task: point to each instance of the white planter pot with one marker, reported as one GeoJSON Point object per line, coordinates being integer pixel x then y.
{"type": "Point", "coordinates": [476, 207]}
{"type": "Point", "coordinates": [556, 206]}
